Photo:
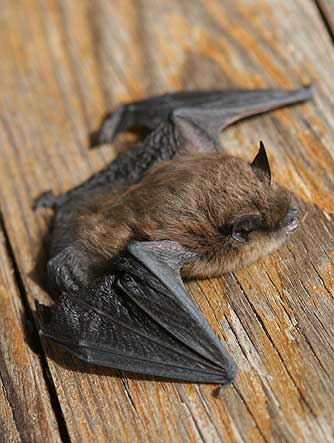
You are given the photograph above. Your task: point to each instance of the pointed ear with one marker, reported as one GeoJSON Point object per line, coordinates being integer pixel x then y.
{"type": "Point", "coordinates": [261, 166]}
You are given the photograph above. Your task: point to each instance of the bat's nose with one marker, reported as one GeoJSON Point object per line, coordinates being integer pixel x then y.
{"type": "Point", "coordinates": [292, 219]}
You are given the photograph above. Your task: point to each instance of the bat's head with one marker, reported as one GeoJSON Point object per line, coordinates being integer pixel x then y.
{"type": "Point", "coordinates": [244, 216]}
{"type": "Point", "coordinates": [226, 210]}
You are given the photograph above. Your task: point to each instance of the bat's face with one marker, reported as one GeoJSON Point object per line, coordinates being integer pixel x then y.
{"type": "Point", "coordinates": [263, 219]}
{"type": "Point", "coordinates": [243, 239]}
{"type": "Point", "coordinates": [254, 234]}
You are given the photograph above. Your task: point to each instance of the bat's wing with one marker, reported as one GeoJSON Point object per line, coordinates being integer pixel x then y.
{"type": "Point", "coordinates": [211, 111]}
{"type": "Point", "coordinates": [141, 319]}
{"type": "Point", "coordinates": [180, 122]}
{"type": "Point", "coordinates": [150, 112]}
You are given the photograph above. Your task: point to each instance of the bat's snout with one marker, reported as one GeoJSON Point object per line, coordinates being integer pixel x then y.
{"type": "Point", "coordinates": [291, 220]}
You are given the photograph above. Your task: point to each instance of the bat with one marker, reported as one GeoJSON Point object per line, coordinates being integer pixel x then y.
{"type": "Point", "coordinates": [174, 206]}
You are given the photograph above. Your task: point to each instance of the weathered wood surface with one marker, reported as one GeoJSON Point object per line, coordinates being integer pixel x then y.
{"type": "Point", "coordinates": [25, 412]}
{"type": "Point", "coordinates": [326, 8]}
{"type": "Point", "coordinates": [71, 62]}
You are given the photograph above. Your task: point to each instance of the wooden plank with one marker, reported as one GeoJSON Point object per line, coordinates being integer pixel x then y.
{"type": "Point", "coordinates": [7, 422]}
{"type": "Point", "coordinates": [70, 63]}
{"type": "Point", "coordinates": [326, 8]}
{"type": "Point", "coordinates": [26, 413]}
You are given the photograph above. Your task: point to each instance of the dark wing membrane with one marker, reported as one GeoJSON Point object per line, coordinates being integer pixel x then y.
{"type": "Point", "coordinates": [151, 112]}
{"type": "Point", "coordinates": [211, 110]}
{"type": "Point", "coordinates": [228, 107]}
{"type": "Point", "coordinates": [135, 320]}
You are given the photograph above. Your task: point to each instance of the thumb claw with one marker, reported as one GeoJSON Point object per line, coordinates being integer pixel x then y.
{"type": "Point", "coordinates": [45, 200]}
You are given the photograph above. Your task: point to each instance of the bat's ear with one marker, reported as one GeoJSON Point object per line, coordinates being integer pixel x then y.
{"type": "Point", "coordinates": [261, 165]}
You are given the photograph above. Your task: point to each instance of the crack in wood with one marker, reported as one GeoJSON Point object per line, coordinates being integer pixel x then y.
{"type": "Point", "coordinates": [263, 326]}
{"type": "Point", "coordinates": [326, 17]}
{"type": "Point", "coordinates": [13, 409]}
{"type": "Point", "coordinates": [36, 340]}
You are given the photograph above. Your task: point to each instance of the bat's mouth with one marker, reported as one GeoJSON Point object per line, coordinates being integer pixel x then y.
{"type": "Point", "coordinates": [291, 220]}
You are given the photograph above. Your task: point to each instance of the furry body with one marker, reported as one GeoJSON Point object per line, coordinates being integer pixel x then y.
{"type": "Point", "coordinates": [193, 200]}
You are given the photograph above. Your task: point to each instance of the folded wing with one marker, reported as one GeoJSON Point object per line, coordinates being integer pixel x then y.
{"type": "Point", "coordinates": [141, 318]}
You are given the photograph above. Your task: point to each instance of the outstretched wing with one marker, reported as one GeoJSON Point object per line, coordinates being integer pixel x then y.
{"type": "Point", "coordinates": [200, 126]}
{"type": "Point", "coordinates": [208, 111]}
{"type": "Point", "coordinates": [180, 122]}
{"type": "Point", "coordinates": [141, 319]}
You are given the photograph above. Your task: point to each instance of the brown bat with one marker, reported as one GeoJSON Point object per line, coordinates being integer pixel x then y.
{"type": "Point", "coordinates": [173, 204]}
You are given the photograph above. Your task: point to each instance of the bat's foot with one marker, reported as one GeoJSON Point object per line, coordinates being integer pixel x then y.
{"type": "Point", "coordinates": [69, 270]}
{"type": "Point", "coordinates": [45, 200]}
{"type": "Point", "coordinates": [220, 390]}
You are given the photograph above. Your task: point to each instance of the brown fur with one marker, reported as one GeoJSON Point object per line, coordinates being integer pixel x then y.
{"type": "Point", "coordinates": [192, 200]}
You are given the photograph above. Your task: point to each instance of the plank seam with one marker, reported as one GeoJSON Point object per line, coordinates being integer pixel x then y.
{"type": "Point", "coordinates": [324, 15]}
{"type": "Point", "coordinates": [63, 431]}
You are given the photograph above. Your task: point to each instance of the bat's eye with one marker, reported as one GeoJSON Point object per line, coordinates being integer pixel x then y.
{"type": "Point", "coordinates": [243, 225]}
{"type": "Point", "coordinates": [240, 235]}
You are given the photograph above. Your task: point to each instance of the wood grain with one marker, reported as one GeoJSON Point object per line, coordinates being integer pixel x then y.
{"type": "Point", "coordinates": [326, 8]}
{"type": "Point", "coordinates": [25, 413]}
{"type": "Point", "coordinates": [73, 61]}
{"type": "Point", "coordinates": [7, 423]}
